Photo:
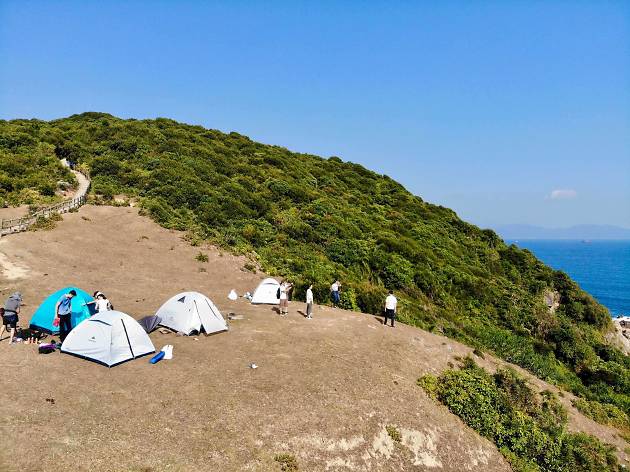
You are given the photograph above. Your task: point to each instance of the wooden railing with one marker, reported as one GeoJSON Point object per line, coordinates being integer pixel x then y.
{"type": "Point", "coordinates": [17, 225]}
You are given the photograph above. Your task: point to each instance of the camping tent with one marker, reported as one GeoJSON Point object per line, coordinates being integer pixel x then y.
{"type": "Point", "coordinates": [43, 317]}
{"type": "Point", "coordinates": [109, 338]}
{"type": "Point", "coordinates": [190, 311]}
{"type": "Point", "coordinates": [267, 292]}
{"type": "Point", "coordinates": [149, 323]}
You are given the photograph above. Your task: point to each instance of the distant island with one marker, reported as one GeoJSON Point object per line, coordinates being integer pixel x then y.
{"type": "Point", "coordinates": [586, 232]}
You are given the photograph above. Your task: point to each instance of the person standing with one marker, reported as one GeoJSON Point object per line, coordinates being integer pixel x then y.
{"type": "Point", "coordinates": [63, 313]}
{"type": "Point", "coordinates": [390, 308]}
{"type": "Point", "coordinates": [10, 315]}
{"type": "Point", "coordinates": [309, 302]}
{"type": "Point", "coordinates": [334, 292]}
{"type": "Point", "coordinates": [101, 303]}
{"type": "Point", "coordinates": [285, 288]}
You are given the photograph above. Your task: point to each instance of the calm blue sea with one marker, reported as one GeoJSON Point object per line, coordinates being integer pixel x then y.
{"type": "Point", "coordinates": [602, 268]}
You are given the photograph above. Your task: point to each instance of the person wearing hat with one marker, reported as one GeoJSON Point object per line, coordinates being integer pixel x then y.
{"type": "Point", "coordinates": [101, 302]}
{"type": "Point", "coordinates": [10, 315]}
{"type": "Point", "coordinates": [63, 313]}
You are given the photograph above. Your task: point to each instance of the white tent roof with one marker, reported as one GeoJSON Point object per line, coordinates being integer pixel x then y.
{"type": "Point", "coordinates": [109, 338]}
{"type": "Point", "coordinates": [267, 292]}
{"type": "Point", "coordinates": [190, 311]}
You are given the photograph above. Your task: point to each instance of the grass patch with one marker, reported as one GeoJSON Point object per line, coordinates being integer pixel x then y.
{"type": "Point", "coordinates": [201, 257]}
{"type": "Point", "coordinates": [193, 238]}
{"type": "Point", "coordinates": [288, 462]}
{"type": "Point", "coordinates": [478, 353]}
{"type": "Point", "coordinates": [394, 433]}
{"type": "Point", "coordinates": [603, 413]}
{"type": "Point", "coordinates": [429, 384]}
{"type": "Point", "coordinates": [46, 224]}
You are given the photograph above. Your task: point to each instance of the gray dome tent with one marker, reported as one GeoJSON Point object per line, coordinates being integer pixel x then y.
{"type": "Point", "coordinates": [149, 323]}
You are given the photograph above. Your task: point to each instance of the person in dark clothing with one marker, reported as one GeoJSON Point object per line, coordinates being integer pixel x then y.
{"type": "Point", "coordinates": [334, 292]}
{"type": "Point", "coordinates": [10, 315]}
{"type": "Point", "coordinates": [63, 312]}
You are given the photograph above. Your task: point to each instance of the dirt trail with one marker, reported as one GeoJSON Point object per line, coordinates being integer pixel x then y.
{"type": "Point", "coordinates": [84, 184]}
{"type": "Point", "coordinates": [325, 390]}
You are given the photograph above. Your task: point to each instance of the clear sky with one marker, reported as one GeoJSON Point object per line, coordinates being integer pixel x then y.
{"type": "Point", "coordinates": [506, 111]}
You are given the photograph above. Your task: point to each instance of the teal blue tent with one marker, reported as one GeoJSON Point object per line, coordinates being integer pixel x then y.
{"type": "Point", "coordinates": [42, 319]}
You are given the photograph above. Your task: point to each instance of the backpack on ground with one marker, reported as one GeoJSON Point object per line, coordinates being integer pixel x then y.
{"type": "Point", "coordinates": [47, 348]}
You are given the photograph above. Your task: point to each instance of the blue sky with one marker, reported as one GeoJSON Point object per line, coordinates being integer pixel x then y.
{"type": "Point", "coordinates": [505, 111]}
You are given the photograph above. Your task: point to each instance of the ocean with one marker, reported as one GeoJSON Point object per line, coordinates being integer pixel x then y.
{"type": "Point", "coordinates": [602, 268]}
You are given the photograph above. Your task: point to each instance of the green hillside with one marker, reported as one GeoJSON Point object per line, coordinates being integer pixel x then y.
{"type": "Point", "coordinates": [312, 220]}
{"type": "Point", "coordinates": [29, 169]}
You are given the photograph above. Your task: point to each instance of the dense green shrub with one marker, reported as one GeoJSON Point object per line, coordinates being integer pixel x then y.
{"type": "Point", "coordinates": [348, 299]}
{"type": "Point", "coordinates": [29, 169]}
{"type": "Point", "coordinates": [528, 428]}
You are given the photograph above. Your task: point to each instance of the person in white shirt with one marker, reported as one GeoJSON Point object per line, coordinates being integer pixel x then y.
{"type": "Point", "coordinates": [285, 288]}
{"type": "Point", "coordinates": [334, 292]}
{"type": "Point", "coordinates": [390, 308]}
{"type": "Point", "coordinates": [101, 303]}
{"type": "Point", "coordinates": [309, 302]}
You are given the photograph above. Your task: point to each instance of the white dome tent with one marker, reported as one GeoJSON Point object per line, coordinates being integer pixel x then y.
{"type": "Point", "coordinates": [109, 338]}
{"type": "Point", "coordinates": [188, 312]}
{"type": "Point", "coordinates": [267, 292]}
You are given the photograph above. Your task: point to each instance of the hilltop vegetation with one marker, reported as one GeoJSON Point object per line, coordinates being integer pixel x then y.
{"type": "Point", "coordinates": [29, 169]}
{"type": "Point", "coordinates": [312, 220]}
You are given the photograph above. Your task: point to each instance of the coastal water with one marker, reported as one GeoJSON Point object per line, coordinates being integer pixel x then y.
{"type": "Point", "coordinates": [602, 268]}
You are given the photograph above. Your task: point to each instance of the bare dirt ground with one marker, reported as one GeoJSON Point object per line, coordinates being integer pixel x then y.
{"type": "Point", "coordinates": [9, 213]}
{"type": "Point", "coordinates": [325, 389]}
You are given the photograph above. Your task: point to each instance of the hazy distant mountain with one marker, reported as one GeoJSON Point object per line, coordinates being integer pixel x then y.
{"type": "Point", "coordinates": [572, 232]}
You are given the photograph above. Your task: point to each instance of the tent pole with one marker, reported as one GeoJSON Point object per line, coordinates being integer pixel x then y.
{"type": "Point", "coordinates": [128, 342]}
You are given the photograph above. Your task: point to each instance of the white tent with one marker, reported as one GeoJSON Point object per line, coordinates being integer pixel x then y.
{"type": "Point", "coordinates": [267, 292]}
{"type": "Point", "coordinates": [190, 311]}
{"type": "Point", "coordinates": [109, 338]}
